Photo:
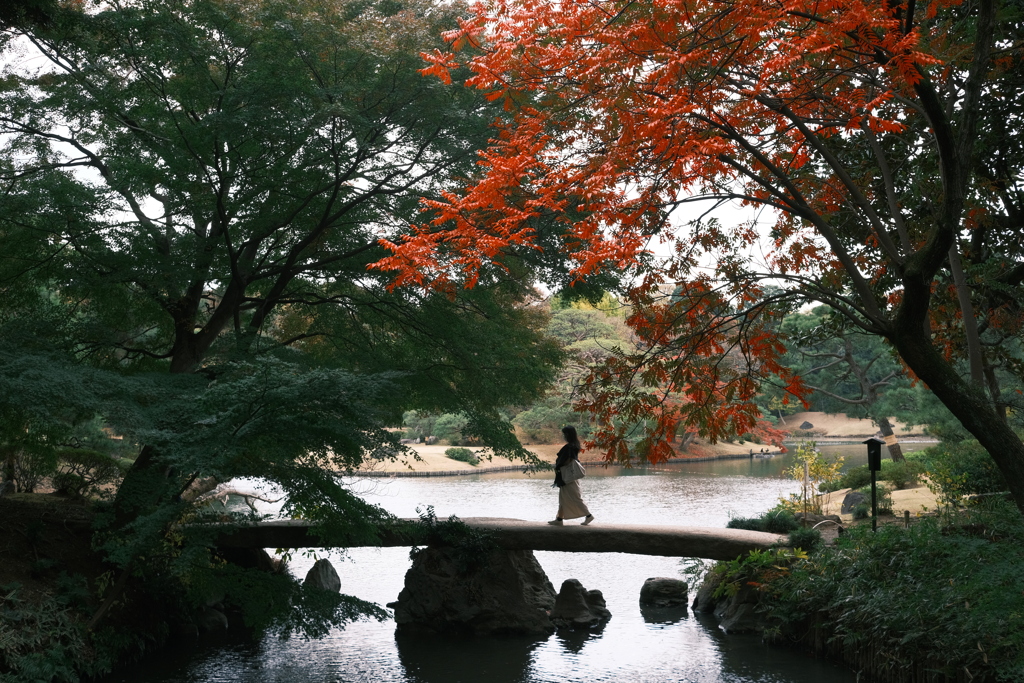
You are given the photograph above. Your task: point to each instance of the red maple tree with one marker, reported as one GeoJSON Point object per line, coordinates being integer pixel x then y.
{"type": "Point", "coordinates": [863, 128]}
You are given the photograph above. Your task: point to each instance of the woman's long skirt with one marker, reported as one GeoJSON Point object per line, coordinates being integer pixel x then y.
{"type": "Point", "coordinates": [570, 502]}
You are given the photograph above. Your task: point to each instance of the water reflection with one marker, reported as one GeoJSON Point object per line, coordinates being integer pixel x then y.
{"type": "Point", "coordinates": [465, 659]}
{"type": "Point", "coordinates": [745, 657]}
{"type": "Point", "coordinates": [574, 640]}
{"type": "Point", "coordinates": [663, 616]}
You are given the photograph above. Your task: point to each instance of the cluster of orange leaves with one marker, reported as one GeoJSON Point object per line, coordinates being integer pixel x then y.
{"type": "Point", "coordinates": [617, 109]}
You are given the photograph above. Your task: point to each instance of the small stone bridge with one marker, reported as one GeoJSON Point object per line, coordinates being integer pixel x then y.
{"type": "Point", "coordinates": [516, 534]}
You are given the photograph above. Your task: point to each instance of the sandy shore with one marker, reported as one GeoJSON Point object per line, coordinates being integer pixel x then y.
{"type": "Point", "coordinates": [840, 426]}
{"type": "Point", "coordinates": [916, 501]}
{"type": "Point", "coordinates": [431, 460]}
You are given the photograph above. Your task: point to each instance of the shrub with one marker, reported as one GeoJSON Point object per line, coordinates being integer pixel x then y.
{"type": "Point", "coordinates": [777, 521]}
{"type": "Point", "coordinates": [418, 426]}
{"type": "Point", "coordinates": [543, 421]}
{"type": "Point", "coordinates": [964, 468]}
{"type": "Point", "coordinates": [854, 478]}
{"type": "Point", "coordinates": [756, 568]}
{"type": "Point", "coordinates": [83, 470]}
{"type": "Point", "coordinates": [462, 455]}
{"type": "Point", "coordinates": [822, 474]}
{"type": "Point", "coordinates": [41, 641]}
{"type": "Point", "coordinates": [901, 475]}
{"type": "Point", "coordinates": [30, 467]}
{"type": "Point", "coordinates": [946, 598]}
{"type": "Point", "coordinates": [808, 539]}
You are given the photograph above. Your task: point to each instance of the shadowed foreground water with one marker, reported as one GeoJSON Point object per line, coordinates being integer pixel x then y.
{"type": "Point", "coordinates": [641, 646]}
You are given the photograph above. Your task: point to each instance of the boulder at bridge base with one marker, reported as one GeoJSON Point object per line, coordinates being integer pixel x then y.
{"type": "Point", "coordinates": [508, 593]}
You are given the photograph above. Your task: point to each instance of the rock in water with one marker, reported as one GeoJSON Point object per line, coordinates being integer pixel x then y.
{"type": "Point", "coordinates": [738, 613]}
{"type": "Point", "coordinates": [705, 600]}
{"type": "Point", "coordinates": [508, 593]}
{"type": "Point", "coordinates": [212, 621]}
{"type": "Point", "coordinates": [578, 608]}
{"type": "Point", "coordinates": [664, 592]}
{"type": "Point", "coordinates": [322, 575]}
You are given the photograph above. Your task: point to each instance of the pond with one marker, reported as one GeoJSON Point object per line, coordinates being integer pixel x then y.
{"type": "Point", "coordinates": [636, 646]}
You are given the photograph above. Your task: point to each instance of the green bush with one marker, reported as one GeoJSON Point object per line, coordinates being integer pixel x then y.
{"type": "Point", "coordinates": [30, 467]}
{"type": "Point", "coordinates": [756, 568]}
{"type": "Point", "coordinates": [808, 539]}
{"type": "Point", "coordinates": [963, 468]}
{"type": "Point", "coordinates": [40, 640]}
{"type": "Point", "coordinates": [543, 420]}
{"type": "Point", "coordinates": [936, 596]}
{"type": "Point", "coordinates": [83, 471]}
{"type": "Point", "coordinates": [854, 478]}
{"type": "Point", "coordinates": [901, 475]}
{"type": "Point", "coordinates": [462, 455]}
{"type": "Point", "coordinates": [775, 521]}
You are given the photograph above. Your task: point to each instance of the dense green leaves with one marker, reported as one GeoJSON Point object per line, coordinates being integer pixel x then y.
{"type": "Point", "coordinates": [932, 596]}
{"type": "Point", "coordinates": [191, 192]}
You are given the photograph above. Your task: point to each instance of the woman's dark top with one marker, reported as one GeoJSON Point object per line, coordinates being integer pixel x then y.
{"type": "Point", "coordinates": [567, 453]}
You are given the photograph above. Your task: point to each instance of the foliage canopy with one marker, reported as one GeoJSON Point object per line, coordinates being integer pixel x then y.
{"type": "Point", "coordinates": [190, 195]}
{"type": "Point", "coordinates": [882, 141]}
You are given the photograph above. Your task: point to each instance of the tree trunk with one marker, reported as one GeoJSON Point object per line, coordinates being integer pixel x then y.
{"type": "Point", "coordinates": [684, 444]}
{"type": "Point", "coordinates": [145, 485]}
{"type": "Point", "coordinates": [963, 293]}
{"type": "Point", "coordinates": [993, 389]}
{"type": "Point", "coordinates": [895, 450]}
{"type": "Point", "coordinates": [970, 407]}
{"type": "Point", "coordinates": [9, 470]}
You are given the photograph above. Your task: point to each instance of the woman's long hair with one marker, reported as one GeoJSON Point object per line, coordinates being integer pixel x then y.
{"type": "Point", "coordinates": [569, 432]}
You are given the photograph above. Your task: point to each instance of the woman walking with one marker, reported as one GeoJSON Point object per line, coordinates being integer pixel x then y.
{"type": "Point", "coordinates": [570, 499]}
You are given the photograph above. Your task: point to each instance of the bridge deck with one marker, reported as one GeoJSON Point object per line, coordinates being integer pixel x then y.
{"type": "Point", "coordinates": [516, 534]}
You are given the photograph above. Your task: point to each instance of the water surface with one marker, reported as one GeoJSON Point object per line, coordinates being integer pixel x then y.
{"type": "Point", "coordinates": [637, 645]}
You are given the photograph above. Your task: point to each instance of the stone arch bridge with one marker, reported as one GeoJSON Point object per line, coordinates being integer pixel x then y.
{"type": "Point", "coordinates": [516, 534]}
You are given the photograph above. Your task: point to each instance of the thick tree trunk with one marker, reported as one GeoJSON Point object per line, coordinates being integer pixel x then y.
{"type": "Point", "coordinates": [9, 474]}
{"type": "Point", "coordinates": [974, 411]}
{"type": "Point", "coordinates": [145, 485]}
{"type": "Point", "coordinates": [895, 450]}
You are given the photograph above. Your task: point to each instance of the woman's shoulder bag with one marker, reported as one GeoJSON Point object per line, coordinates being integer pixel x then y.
{"type": "Point", "coordinates": [573, 471]}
